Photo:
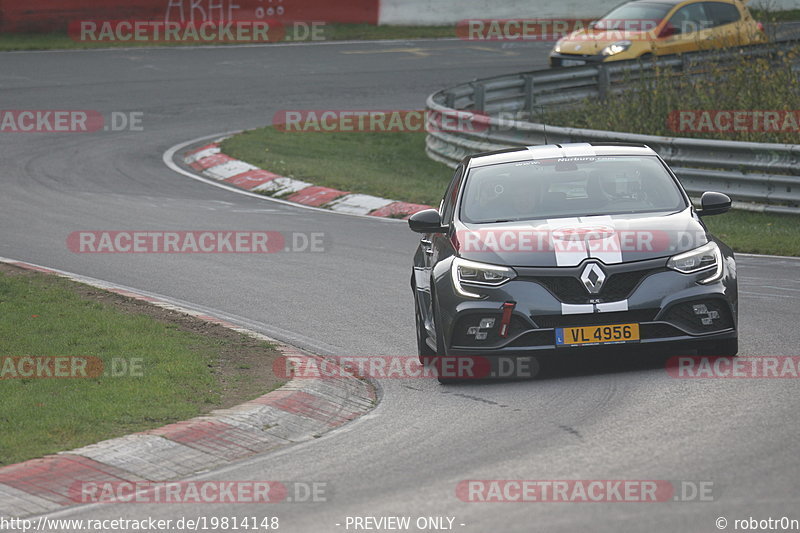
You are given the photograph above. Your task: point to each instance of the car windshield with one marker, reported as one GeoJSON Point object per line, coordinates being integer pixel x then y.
{"type": "Point", "coordinates": [634, 11]}
{"type": "Point", "coordinates": [569, 187]}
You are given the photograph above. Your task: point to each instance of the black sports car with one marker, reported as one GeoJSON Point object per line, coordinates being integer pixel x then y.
{"type": "Point", "coordinates": [562, 247]}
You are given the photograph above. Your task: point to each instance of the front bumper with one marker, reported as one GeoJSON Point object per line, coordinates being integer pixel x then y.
{"type": "Point", "coordinates": [671, 309]}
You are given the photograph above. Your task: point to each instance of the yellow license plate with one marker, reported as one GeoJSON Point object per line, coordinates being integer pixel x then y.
{"type": "Point", "coordinates": [612, 334]}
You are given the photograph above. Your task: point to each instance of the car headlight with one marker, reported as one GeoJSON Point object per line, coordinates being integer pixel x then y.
{"type": "Point", "coordinates": [616, 48]}
{"type": "Point", "coordinates": [466, 272]}
{"type": "Point", "coordinates": [557, 48]}
{"type": "Point", "coordinates": [707, 257]}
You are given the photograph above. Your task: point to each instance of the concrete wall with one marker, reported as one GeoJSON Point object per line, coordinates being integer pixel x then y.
{"type": "Point", "coordinates": [444, 12]}
{"type": "Point", "coordinates": [55, 15]}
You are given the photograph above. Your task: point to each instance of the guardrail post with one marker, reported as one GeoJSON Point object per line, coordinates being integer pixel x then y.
{"type": "Point", "coordinates": [530, 98]}
{"type": "Point", "coordinates": [479, 97]}
{"type": "Point", "coordinates": [686, 63]}
{"type": "Point", "coordinates": [603, 81]}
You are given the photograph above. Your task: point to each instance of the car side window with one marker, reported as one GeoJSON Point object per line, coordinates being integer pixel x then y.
{"type": "Point", "coordinates": [721, 14]}
{"type": "Point", "coordinates": [690, 19]}
{"type": "Point", "coordinates": [451, 196]}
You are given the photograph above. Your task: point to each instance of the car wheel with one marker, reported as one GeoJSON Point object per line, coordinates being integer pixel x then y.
{"type": "Point", "coordinates": [723, 348]}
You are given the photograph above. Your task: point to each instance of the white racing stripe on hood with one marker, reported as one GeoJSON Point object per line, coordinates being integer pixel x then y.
{"type": "Point", "coordinates": [568, 253]}
{"type": "Point", "coordinates": [609, 249]}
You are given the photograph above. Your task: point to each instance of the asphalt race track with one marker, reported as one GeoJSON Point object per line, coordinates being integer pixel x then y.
{"type": "Point", "coordinates": [587, 419]}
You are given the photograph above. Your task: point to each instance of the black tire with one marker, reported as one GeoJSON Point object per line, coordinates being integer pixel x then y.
{"type": "Point", "coordinates": [441, 348]}
{"type": "Point", "coordinates": [423, 350]}
{"type": "Point", "coordinates": [426, 355]}
{"type": "Point", "coordinates": [723, 348]}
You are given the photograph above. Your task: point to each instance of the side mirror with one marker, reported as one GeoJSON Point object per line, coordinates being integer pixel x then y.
{"type": "Point", "coordinates": [714, 203]}
{"type": "Point", "coordinates": [427, 221]}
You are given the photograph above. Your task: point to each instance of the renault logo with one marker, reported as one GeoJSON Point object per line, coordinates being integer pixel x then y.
{"type": "Point", "coordinates": [593, 278]}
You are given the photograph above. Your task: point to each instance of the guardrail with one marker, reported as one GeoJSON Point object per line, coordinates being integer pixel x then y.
{"type": "Point", "coordinates": [757, 176]}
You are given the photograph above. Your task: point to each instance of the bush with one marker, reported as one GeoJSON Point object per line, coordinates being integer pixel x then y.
{"type": "Point", "coordinates": [650, 107]}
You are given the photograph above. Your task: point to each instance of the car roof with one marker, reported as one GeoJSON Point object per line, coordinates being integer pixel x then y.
{"type": "Point", "coordinates": [554, 151]}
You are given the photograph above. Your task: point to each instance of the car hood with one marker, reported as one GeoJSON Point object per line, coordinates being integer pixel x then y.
{"type": "Point", "coordinates": [568, 241]}
{"type": "Point", "coordinates": [592, 42]}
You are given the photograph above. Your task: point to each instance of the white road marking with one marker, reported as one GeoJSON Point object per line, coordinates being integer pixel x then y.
{"type": "Point", "coordinates": [228, 170]}
{"type": "Point", "coordinates": [360, 204]}
{"type": "Point", "coordinates": [202, 153]}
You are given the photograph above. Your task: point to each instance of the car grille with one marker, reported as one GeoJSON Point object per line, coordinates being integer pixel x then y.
{"type": "Point", "coordinates": [595, 319]}
{"type": "Point", "coordinates": [568, 57]}
{"type": "Point", "coordinates": [689, 316]}
{"type": "Point", "coordinates": [570, 290]}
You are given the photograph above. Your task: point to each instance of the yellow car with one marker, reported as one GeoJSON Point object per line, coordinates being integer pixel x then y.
{"type": "Point", "coordinates": [659, 27]}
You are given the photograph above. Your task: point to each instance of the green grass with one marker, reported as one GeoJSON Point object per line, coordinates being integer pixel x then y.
{"type": "Point", "coordinates": [786, 15]}
{"type": "Point", "coordinates": [44, 316]}
{"type": "Point", "coordinates": [390, 165]}
{"type": "Point", "coordinates": [329, 32]}
{"type": "Point", "coordinates": [758, 233]}
{"type": "Point", "coordinates": [394, 165]}
{"type": "Point", "coordinates": [650, 105]}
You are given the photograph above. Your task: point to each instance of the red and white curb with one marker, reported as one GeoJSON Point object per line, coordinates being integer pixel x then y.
{"type": "Point", "coordinates": [301, 410]}
{"type": "Point", "coordinates": [209, 161]}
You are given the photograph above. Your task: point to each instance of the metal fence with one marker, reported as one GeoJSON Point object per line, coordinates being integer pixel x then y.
{"type": "Point", "coordinates": [757, 176]}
